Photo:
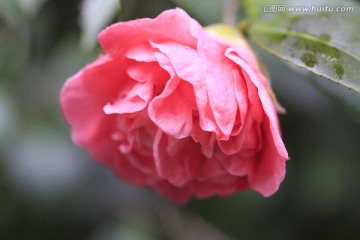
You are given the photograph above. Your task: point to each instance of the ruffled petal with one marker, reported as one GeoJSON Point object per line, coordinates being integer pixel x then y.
{"type": "Point", "coordinates": [91, 128]}
{"type": "Point", "coordinates": [141, 53]}
{"type": "Point", "coordinates": [169, 113]}
{"type": "Point", "coordinates": [223, 186]}
{"type": "Point", "coordinates": [266, 102]}
{"type": "Point", "coordinates": [127, 168]}
{"type": "Point", "coordinates": [204, 138]}
{"type": "Point", "coordinates": [237, 142]}
{"type": "Point", "coordinates": [135, 100]}
{"type": "Point", "coordinates": [170, 165]}
{"type": "Point", "coordinates": [104, 77]}
{"type": "Point", "coordinates": [241, 95]}
{"type": "Point", "coordinates": [85, 122]}
{"type": "Point", "coordinates": [268, 171]}
{"type": "Point", "coordinates": [148, 72]}
{"type": "Point", "coordinates": [200, 168]}
{"type": "Point", "coordinates": [219, 81]}
{"type": "Point", "coordinates": [180, 161]}
{"type": "Point", "coordinates": [189, 67]}
{"type": "Point", "coordinates": [124, 35]}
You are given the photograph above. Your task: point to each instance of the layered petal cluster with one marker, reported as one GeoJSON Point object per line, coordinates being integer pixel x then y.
{"type": "Point", "coordinates": [172, 107]}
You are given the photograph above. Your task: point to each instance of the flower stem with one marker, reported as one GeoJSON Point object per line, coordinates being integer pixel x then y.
{"type": "Point", "coordinates": [230, 11]}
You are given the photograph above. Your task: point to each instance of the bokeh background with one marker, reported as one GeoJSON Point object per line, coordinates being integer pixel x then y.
{"type": "Point", "coordinates": [50, 189]}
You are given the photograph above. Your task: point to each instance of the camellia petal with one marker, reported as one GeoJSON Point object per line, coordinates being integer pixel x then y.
{"type": "Point", "coordinates": [138, 31]}
{"type": "Point", "coordinates": [266, 174]}
{"type": "Point", "coordinates": [171, 115]}
{"type": "Point", "coordinates": [135, 100]}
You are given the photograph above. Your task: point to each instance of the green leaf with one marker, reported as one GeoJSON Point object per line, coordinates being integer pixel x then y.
{"type": "Point", "coordinates": [96, 15]}
{"type": "Point", "coordinates": [327, 45]}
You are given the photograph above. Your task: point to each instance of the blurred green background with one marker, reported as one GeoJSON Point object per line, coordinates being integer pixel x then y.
{"type": "Point", "coordinates": [50, 189]}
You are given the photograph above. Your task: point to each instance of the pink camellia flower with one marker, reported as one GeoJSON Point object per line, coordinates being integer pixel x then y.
{"type": "Point", "coordinates": [171, 106]}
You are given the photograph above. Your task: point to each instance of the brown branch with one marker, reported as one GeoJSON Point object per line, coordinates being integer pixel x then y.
{"type": "Point", "coordinates": [230, 11]}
